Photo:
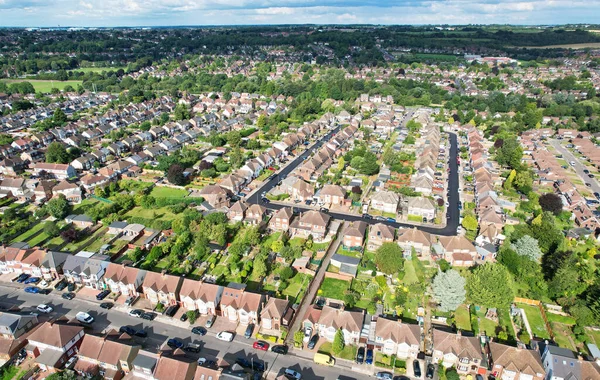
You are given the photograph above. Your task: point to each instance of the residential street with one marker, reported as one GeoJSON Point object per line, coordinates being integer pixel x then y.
{"type": "Point", "coordinates": [160, 331]}
{"type": "Point", "coordinates": [451, 222]}
{"type": "Point", "coordinates": [579, 167]}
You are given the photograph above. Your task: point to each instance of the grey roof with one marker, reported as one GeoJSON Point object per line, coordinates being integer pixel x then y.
{"type": "Point", "coordinates": [144, 361]}
{"type": "Point", "coordinates": [9, 323]}
{"type": "Point", "coordinates": [118, 224]}
{"type": "Point", "coordinates": [75, 264]}
{"type": "Point", "coordinates": [345, 259]}
{"type": "Point", "coordinates": [565, 365]}
{"type": "Point", "coordinates": [54, 259]}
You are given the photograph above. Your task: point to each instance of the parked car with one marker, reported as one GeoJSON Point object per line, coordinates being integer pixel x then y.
{"type": "Point", "coordinates": [307, 334]}
{"type": "Point", "coordinates": [136, 313]}
{"type": "Point", "coordinates": [210, 321]}
{"type": "Point", "coordinates": [291, 374]}
{"type": "Point", "coordinates": [313, 341]}
{"type": "Point", "coordinates": [360, 355]}
{"type": "Point", "coordinates": [225, 336]}
{"type": "Point", "coordinates": [22, 277]}
{"type": "Point", "coordinates": [71, 287]}
{"type": "Point", "coordinates": [32, 289]}
{"type": "Point", "coordinates": [71, 362]}
{"type": "Point", "coordinates": [148, 316]}
{"type": "Point", "coordinates": [369, 357]}
{"type": "Point", "coordinates": [32, 280]}
{"type": "Point", "coordinates": [367, 216]}
{"type": "Point", "coordinates": [68, 296]}
{"type": "Point", "coordinates": [280, 349]}
{"type": "Point", "coordinates": [43, 308]}
{"type": "Point", "coordinates": [141, 333]}
{"type": "Point", "coordinates": [130, 300]}
{"type": "Point", "coordinates": [171, 310]}
{"type": "Point", "coordinates": [199, 330]}
{"type": "Point", "coordinates": [43, 284]}
{"type": "Point", "coordinates": [84, 317]}
{"type": "Point", "coordinates": [127, 330]}
{"type": "Point", "coordinates": [107, 305]}
{"type": "Point", "coordinates": [192, 347]}
{"type": "Point", "coordinates": [60, 285]}
{"type": "Point", "coordinates": [174, 343]}
{"type": "Point", "coordinates": [324, 209]}
{"type": "Point", "coordinates": [249, 330]}
{"type": "Point", "coordinates": [416, 368]}
{"type": "Point", "coordinates": [391, 220]}
{"type": "Point", "coordinates": [430, 371]}
{"type": "Point", "coordinates": [102, 295]}
{"type": "Point", "coordinates": [261, 345]}
{"type": "Point", "coordinates": [384, 376]}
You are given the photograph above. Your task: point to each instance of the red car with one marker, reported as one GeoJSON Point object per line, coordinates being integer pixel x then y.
{"type": "Point", "coordinates": [261, 345]}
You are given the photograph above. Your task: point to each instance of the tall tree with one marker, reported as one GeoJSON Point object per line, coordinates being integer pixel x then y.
{"type": "Point", "coordinates": [528, 246]}
{"type": "Point", "coordinates": [338, 342]}
{"type": "Point", "coordinates": [551, 202]}
{"type": "Point", "coordinates": [58, 207]}
{"type": "Point", "coordinates": [56, 153]}
{"type": "Point", "coordinates": [389, 258]}
{"type": "Point", "coordinates": [175, 175]}
{"type": "Point", "coordinates": [449, 290]}
{"type": "Point", "coordinates": [490, 285]}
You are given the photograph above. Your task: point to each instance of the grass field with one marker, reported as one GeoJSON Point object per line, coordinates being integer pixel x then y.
{"type": "Point", "coordinates": [538, 327]}
{"type": "Point", "coordinates": [410, 275]}
{"type": "Point", "coordinates": [46, 85]}
{"type": "Point", "coordinates": [333, 288]}
{"type": "Point", "coordinates": [29, 233]}
{"type": "Point", "coordinates": [566, 46]}
{"type": "Point", "coordinates": [348, 353]}
{"type": "Point", "coordinates": [96, 69]}
{"type": "Point", "coordinates": [566, 320]}
{"type": "Point", "coordinates": [168, 192]}
{"type": "Point", "coordinates": [561, 335]}
{"type": "Point", "coordinates": [462, 318]}
{"type": "Point", "coordinates": [153, 214]}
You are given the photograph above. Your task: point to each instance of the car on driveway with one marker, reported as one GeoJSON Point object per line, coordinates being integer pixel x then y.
{"type": "Point", "coordinates": [417, 369]}
{"type": "Point", "coordinates": [369, 357]}
{"type": "Point", "coordinates": [32, 289]}
{"type": "Point", "coordinates": [280, 349]}
{"type": "Point", "coordinates": [71, 287]}
{"type": "Point", "coordinates": [261, 345]}
{"type": "Point", "coordinates": [192, 347]}
{"type": "Point", "coordinates": [174, 343]}
{"type": "Point", "coordinates": [60, 285]}
{"type": "Point", "coordinates": [32, 280]}
{"type": "Point", "coordinates": [136, 313]}
{"type": "Point", "coordinates": [22, 277]}
{"type": "Point", "coordinates": [68, 296]}
{"type": "Point", "coordinates": [430, 371]}
{"type": "Point", "coordinates": [313, 341]}
{"type": "Point", "coordinates": [71, 362]}
{"type": "Point", "coordinates": [199, 330]}
{"type": "Point", "coordinates": [171, 310]}
{"type": "Point", "coordinates": [43, 308]}
{"type": "Point", "coordinates": [360, 355]}
{"type": "Point", "coordinates": [107, 305]}
{"type": "Point", "coordinates": [210, 321]}
{"type": "Point", "coordinates": [249, 331]}
{"type": "Point", "coordinates": [102, 295]}
{"type": "Point", "coordinates": [307, 334]}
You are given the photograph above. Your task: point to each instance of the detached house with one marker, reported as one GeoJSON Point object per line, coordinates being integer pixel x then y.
{"type": "Point", "coordinates": [422, 207]}
{"type": "Point", "coordinates": [201, 296]}
{"type": "Point", "coordinates": [333, 195]}
{"type": "Point", "coordinates": [385, 201]}
{"type": "Point", "coordinates": [276, 313]}
{"type": "Point", "coordinates": [354, 234]}
{"type": "Point", "coordinates": [311, 223]}
{"type": "Point", "coordinates": [71, 191]}
{"type": "Point", "coordinates": [413, 239]}
{"type": "Point", "coordinates": [215, 195]}
{"type": "Point", "coordinates": [458, 250]}
{"type": "Point", "coordinates": [397, 338]}
{"type": "Point", "coordinates": [350, 322]}
{"type": "Point", "coordinates": [281, 220]}
{"type": "Point", "coordinates": [380, 233]}
{"type": "Point", "coordinates": [160, 287]}
{"type": "Point", "coordinates": [239, 305]}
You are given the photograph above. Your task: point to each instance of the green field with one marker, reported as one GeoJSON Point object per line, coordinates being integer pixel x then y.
{"type": "Point", "coordinates": [462, 318]}
{"type": "Point", "coordinates": [162, 213]}
{"type": "Point", "coordinates": [46, 85]}
{"type": "Point", "coordinates": [96, 69]}
{"type": "Point", "coordinates": [538, 327]}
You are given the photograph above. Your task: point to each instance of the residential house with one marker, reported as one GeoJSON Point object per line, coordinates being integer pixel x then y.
{"type": "Point", "coordinates": [456, 350]}
{"type": "Point", "coordinates": [397, 338]}
{"type": "Point", "coordinates": [93, 271]}
{"type": "Point", "coordinates": [13, 326]}
{"type": "Point", "coordinates": [331, 320]}
{"type": "Point", "coordinates": [237, 305]}
{"type": "Point", "coordinates": [311, 223]}
{"type": "Point", "coordinates": [12, 167]}
{"type": "Point", "coordinates": [58, 171]}
{"type": "Point", "coordinates": [144, 366]}
{"type": "Point", "coordinates": [80, 221]}
{"type": "Point", "coordinates": [14, 186]}
{"type": "Point", "coordinates": [561, 363]}
{"type": "Point", "coordinates": [201, 296]}
{"type": "Point", "coordinates": [516, 363]}
{"type": "Point", "coordinates": [422, 207]}
{"type": "Point", "coordinates": [71, 191]}
{"type": "Point", "coordinates": [281, 220]}
{"type": "Point", "coordinates": [110, 357]}
{"type": "Point", "coordinates": [458, 250]}
{"type": "Point", "coordinates": [52, 266]}
{"type": "Point", "coordinates": [176, 366]}
{"type": "Point", "coordinates": [413, 239]}
{"type": "Point", "coordinates": [73, 267]}
{"type": "Point", "coordinates": [255, 214]}
{"type": "Point", "coordinates": [347, 265]}
{"type": "Point", "coordinates": [53, 343]}
{"type": "Point", "coordinates": [385, 201]}
{"type": "Point", "coordinates": [380, 233]}
{"type": "Point", "coordinates": [161, 287]}
{"type": "Point", "coordinates": [354, 234]}
{"type": "Point", "coordinates": [332, 195]}
{"type": "Point", "coordinates": [124, 280]}
{"type": "Point", "coordinates": [215, 195]}
{"type": "Point", "coordinates": [275, 314]}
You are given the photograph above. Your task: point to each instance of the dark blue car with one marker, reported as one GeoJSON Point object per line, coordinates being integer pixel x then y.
{"type": "Point", "coordinates": [174, 343]}
{"type": "Point", "coordinates": [32, 280]}
{"type": "Point", "coordinates": [369, 357]}
{"type": "Point", "coordinates": [32, 289]}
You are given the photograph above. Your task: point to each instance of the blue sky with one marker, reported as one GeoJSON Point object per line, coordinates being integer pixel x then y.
{"type": "Point", "coordinates": [244, 12]}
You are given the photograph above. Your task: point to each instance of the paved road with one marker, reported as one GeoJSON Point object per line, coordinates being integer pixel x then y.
{"type": "Point", "coordinates": [159, 332]}
{"type": "Point", "coordinates": [453, 213]}
{"type": "Point", "coordinates": [579, 167]}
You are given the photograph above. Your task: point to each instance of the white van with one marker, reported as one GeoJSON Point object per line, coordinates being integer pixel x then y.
{"type": "Point", "coordinates": [225, 336]}
{"type": "Point", "coordinates": [84, 317]}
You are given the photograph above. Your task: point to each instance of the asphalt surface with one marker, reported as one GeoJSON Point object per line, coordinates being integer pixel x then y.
{"type": "Point", "coordinates": [159, 332]}
{"type": "Point", "coordinates": [453, 213]}
{"type": "Point", "coordinates": [579, 167]}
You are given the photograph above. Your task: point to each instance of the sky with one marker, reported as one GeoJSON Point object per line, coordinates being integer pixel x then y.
{"type": "Point", "coordinates": [52, 13]}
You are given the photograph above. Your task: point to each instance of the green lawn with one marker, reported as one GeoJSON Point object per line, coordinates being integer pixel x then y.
{"type": "Point", "coordinates": [271, 238]}
{"type": "Point", "coordinates": [462, 318]}
{"type": "Point", "coordinates": [168, 192]}
{"type": "Point", "coordinates": [38, 239]}
{"type": "Point", "coordinates": [297, 287]}
{"type": "Point", "coordinates": [29, 233]}
{"type": "Point", "coordinates": [333, 288]}
{"type": "Point", "coordinates": [410, 274]}
{"type": "Point", "coordinates": [570, 321]}
{"type": "Point", "coordinates": [46, 85]}
{"type": "Point", "coordinates": [561, 335]}
{"type": "Point", "coordinates": [153, 214]}
{"type": "Point", "coordinates": [348, 252]}
{"type": "Point", "coordinates": [84, 205]}
{"type": "Point", "coordinates": [348, 353]}
{"type": "Point", "coordinates": [486, 325]}
{"type": "Point", "coordinates": [538, 327]}
{"type": "Point", "coordinates": [594, 335]}
{"type": "Point", "coordinates": [415, 218]}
